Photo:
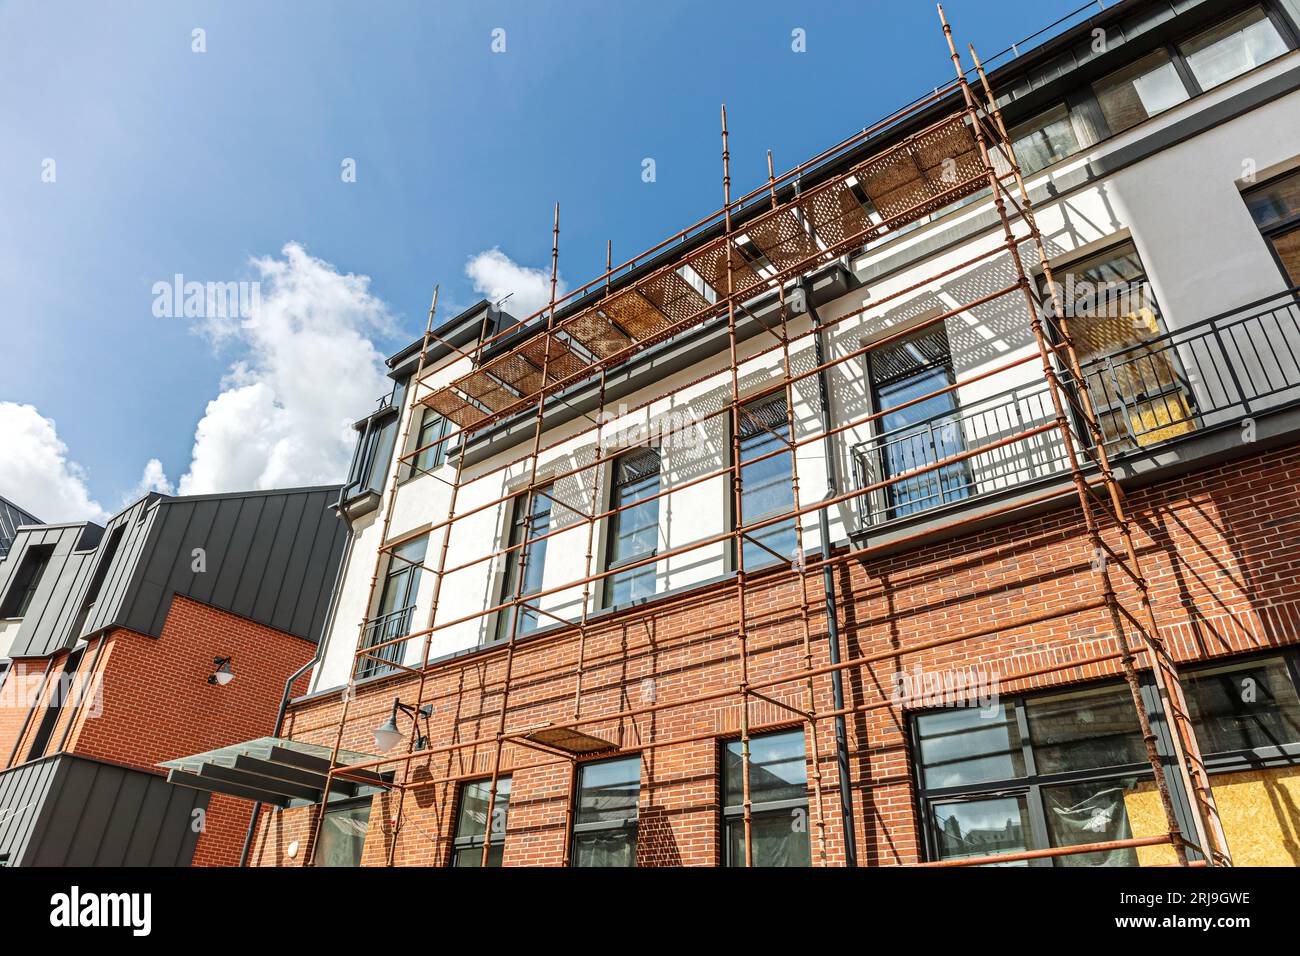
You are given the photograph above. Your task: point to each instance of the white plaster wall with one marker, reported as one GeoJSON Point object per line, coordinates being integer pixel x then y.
{"type": "Point", "coordinates": [1196, 239]}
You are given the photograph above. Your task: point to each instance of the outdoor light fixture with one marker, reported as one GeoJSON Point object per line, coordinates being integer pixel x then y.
{"type": "Point", "coordinates": [387, 736]}
{"type": "Point", "coordinates": [224, 674]}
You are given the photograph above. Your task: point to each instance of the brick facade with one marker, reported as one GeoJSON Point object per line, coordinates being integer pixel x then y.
{"type": "Point", "coordinates": [1215, 545]}
{"type": "Point", "coordinates": [157, 705]}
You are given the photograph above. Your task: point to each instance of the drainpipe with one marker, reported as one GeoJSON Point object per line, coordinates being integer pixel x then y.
{"type": "Point", "coordinates": [828, 585]}
{"type": "Point", "coordinates": [288, 684]}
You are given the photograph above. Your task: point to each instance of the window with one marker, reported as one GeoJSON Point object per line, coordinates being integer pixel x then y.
{"type": "Point", "coordinates": [604, 824]}
{"type": "Point", "coordinates": [1246, 714]}
{"type": "Point", "coordinates": [1045, 139]}
{"type": "Point", "coordinates": [61, 692]}
{"type": "Point", "coordinates": [634, 531]}
{"type": "Point", "coordinates": [23, 585]}
{"type": "Point", "coordinates": [922, 433]}
{"type": "Point", "coordinates": [471, 822]}
{"type": "Point", "coordinates": [778, 793]}
{"type": "Point", "coordinates": [343, 835]}
{"type": "Point", "coordinates": [1275, 207]}
{"type": "Point", "coordinates": [1040, 772]}
{"type": "Point", "coordinates": [1232, 48]}
{"type": "Point", "coordinates": [1139, 91]}
{"type": "Point", "coordinates": [529, 554]}
{"type": "Point", "coordinates": [1243, 706]}
{"type": "Point", "coordinates": [1134, 373]}
{"type": "Point", "coordinates": [396, 606]}
{"type": "Point", "coordinates": [433, 428]}
{"type": "Point", "coordinates": [766, 488]}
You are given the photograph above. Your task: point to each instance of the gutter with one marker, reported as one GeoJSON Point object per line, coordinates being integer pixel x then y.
{"type": "Point", "coordinates": [828, 585]}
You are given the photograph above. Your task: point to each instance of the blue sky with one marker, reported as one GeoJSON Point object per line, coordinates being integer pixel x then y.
{"type": "Point", "coordinates": [170, 161]}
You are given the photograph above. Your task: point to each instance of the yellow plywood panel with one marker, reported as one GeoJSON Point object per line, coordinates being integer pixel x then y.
{"type": "Point", "coordinates": [1260, 810]}
{"type": "Point", "coordinates": [1146, 818]}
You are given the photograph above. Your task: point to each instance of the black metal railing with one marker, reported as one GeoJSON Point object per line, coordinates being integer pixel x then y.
{"type": "Point", "coordinates": [1217, 371]}
{"type": "Point", "coordinates": [386, 627]}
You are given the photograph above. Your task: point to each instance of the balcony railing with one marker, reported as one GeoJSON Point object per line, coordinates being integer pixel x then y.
{"type": "Point", "coordinates": [1221, 370]}
{"type": "Point", "coordinates": [386, 627]}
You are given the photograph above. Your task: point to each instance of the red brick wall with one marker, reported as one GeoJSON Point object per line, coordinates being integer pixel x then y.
{"type": "Point", "coordinates": [157, 703]}
{"type": "Point", "coordinates": [1217, 547]}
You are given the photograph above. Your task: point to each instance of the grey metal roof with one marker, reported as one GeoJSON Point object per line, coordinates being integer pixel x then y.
{"type": "Point", "coordinates": [66, 810]}
{"type": "Point", "coordinates": [269, 556]}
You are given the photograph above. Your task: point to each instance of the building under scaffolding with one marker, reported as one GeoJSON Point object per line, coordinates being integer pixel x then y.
{"type": "Point", "coordinates": [660, 576]}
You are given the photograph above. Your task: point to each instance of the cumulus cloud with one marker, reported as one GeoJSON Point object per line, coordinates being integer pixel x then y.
{"type": "Point", "coordinates": [35, 471]}
{"type": "Point", "coordinates": [496, 275]}
{"type": "Point", "coordinates": [153, 480]}
{"type": "Point", "coordinates": [307, 370]}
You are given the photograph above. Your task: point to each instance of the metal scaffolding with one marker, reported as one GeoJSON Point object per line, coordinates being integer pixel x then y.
{"type": "Point", "coordinates": [637, 305]}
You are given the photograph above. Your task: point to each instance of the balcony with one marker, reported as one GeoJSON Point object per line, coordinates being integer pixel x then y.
{"type": "Point", "coordinates": [378, 630]}
{"type": "Point", "coordinates": [1220, 372]}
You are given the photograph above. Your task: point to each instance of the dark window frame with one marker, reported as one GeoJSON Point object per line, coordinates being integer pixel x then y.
{"type": "Point", "coordinates": [26, 581]}
{"type": "Point", "coordinates": [1031, 785]}
{"type": "Point", "coordinates": [1259, 758]}
{"type": "Point", "coordinates": [613, 562]}
{"type": "Point", "coordinates": [758, 434]}
{"type": "Point", "coordinates": [61, 688]}
{"type": "Point", "coordinates": [437, 427]}
{"type": "Point", "coordinates": [892, 509]}
{"type": "Point", "coordinates": [520, 531]}
{"type": "Point", "coordinates": [474, 842]}
{"type": "Point", "coordinates": [732, 812]}
{"type": "Point", "coordinates": [1281, 227]}
{"type": "Point", "coordinates": [630, 820]}
{"type": "Point", "coordinates": [342, 806]}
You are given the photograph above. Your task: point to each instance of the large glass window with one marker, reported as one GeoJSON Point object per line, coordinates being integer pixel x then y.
{"type": "Point", "coordinates": [1134, 374]}
{"type": "Point", "coordinates": [1232, 48]}
{"type": "Point", "coordinates": [765, 474]}
{"type": "Point", "coordinates": [471, 823]}
{"type": "Point", "coordinates": [605, 819]}
{"type": "Point", "coordinates": [1139, 91]}
{"type": "Point", "coordinates": [433, 428]}
{"type": "Point", "coordinates": [531, 519]}
{"type": "Point", "coordinates": [1275, 207]}
{"type": "Point", "coordinates": [343, 835]}
{"type": "Point", "coordinates": [1243, 706]}
{"type": "Point", "coordinates": [925, 431]}
{"type": "Point", "coordinates": [634, 530]}
{"type": "Point", "coordinates": [1045, 139]}
{"type": "Point", "coordinates": [778, 792]}
{"type": "Point", "coordinates": [1051, 771]}
{"type": "Point", "coordinates": [396, 606]}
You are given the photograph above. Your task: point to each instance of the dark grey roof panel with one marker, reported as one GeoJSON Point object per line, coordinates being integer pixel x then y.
{"type": "Point", "coordinates": [264, 559]}
{"type": "Point", "coordinates": [72, 811]}
{"type": "Point", "coordinates": [53, 607]}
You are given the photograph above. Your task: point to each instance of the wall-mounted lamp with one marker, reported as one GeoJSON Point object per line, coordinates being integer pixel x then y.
{"type": "Point", "coordinates": [224, 675]}
{"type": "Point", "coordinates": [387, 736]}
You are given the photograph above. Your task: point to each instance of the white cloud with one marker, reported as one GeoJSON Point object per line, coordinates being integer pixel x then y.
{"type": "Point", "coordinates": [496, 275]}
{"type": "Point", "coordinates": [153, 480]}
{"type": "Point", "coordinates": [35, 471]}
{"type": "Point", "coordinates": [283, 416]}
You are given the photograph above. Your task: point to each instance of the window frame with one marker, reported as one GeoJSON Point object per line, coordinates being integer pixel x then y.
{"type": "Point", "coordinates": [613, 563]}
{"type": "Point", "coordinates": [1258, 758]}
{"type": "Point", "coordinates": [1275, 230]}
{"type": "Point", "coordinates": [26, 581]}
{"type": "Point", "coordinates": [631, 821]}
{"type": "Point", "coordinates": [889, 509]}
{"type": "Point", "coordinates": [739, 544]}
{"type": "Point", "coordinates": [1033, 783]}
{"type": "Point", "coordinates": [729, 813]}
{"type": "Point", "coordinates": [433, 458]}
{"type": "Point", "coordinates": [342, 806]}
{"type": "Point", "coordinates": [475, 842]}
{"type": "Point", "coordinates": [513, 559]}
